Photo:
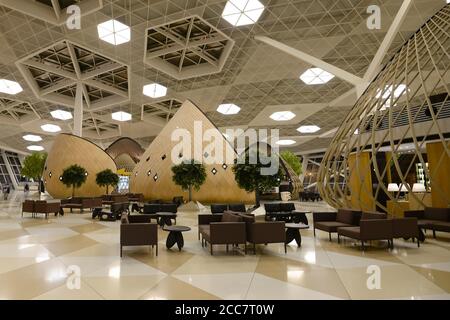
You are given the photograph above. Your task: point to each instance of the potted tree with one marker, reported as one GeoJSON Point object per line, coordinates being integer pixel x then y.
{"type": "Point", "coordinates": [189, 174]}
{"type": "Point", "coordinates": [248, 174]}
{"type": "Point", "coordinates": [33, 167]}
{"type": "Point", "coordinates": [74, 176]}
{"type": "Point", "coordinates": [107, 178]}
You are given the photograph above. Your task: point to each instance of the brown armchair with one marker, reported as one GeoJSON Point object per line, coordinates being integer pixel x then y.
{"type": "Point", "coordinates": [44, 207]}
{"type": "Point", "coordinates": [28, 206]}
{"type": "Point", "coordinates": [226, 229]}
{"type": "Point", "coordinates": [372, 229]}
{"type": "Point", "coordinates": [435, 219]}
{"type": "Point", "coordinates": [137, 230]}
{"type": "Point", "coordinates": [405, 228]}
{"type": "Point", "coordinates": [266, 232]}
{"type": "Point", "coordinates": [331, 221]}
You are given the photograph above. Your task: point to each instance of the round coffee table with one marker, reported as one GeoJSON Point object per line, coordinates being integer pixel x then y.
{"type": "Point", "coordinates": [175, 236]}
{"type": "Point", "coordinates": [293, 232]}
{"type": "Point", "coordinates": [165, 218]}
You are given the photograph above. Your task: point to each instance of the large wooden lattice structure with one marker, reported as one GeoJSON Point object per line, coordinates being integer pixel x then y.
{"type": "Point", "coordinates": [400, 123]}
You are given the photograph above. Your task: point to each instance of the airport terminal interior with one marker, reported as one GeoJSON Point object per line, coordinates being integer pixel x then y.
{"type": "Point", "coordinates": [224, 149]}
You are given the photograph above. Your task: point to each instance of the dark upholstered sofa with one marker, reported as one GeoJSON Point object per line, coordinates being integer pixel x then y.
{"type": "Point", "coordinates": [228, 228]}
{"type": "Point", "coordinates": [81, 203]}
{"type": "Point", "coordinates": [284, 211]}
{"type": "Point", "coordinates": [376, 226]}
{"type": "Point", "coordinates": [41, 207]}
{"type": "Point", "coordinates": [219, 208]}
{"type": "Point", "coordinates": [137, 230]}
{"type": "Point", "coordinates": [331, 221]}
{"type": "Point", "coordinates": [435, 219]}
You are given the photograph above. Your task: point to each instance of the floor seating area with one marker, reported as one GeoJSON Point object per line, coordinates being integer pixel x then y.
{"type": "Point", "coordinates": [36, 207]}
{"type": "Point", "coordinates": [80, 203]}
{"type": "Point", "coordinates": [138, 230]}
{"type": "Point", "coordinates": [284, 211]}
{"type": "Point", "coordinates": [435, 219]}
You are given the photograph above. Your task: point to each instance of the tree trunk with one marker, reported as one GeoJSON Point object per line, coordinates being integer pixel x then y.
{"type": "Point", "coordinates": [190, 193]}
{"type": "Point", "coordinates": [257, 198]}
{"type": "Point", "coordinates": [107, 189]}
{"type": "Point", "coordinates": [39, 188]}
{"type": "Point", "coordinates": [73, 191]}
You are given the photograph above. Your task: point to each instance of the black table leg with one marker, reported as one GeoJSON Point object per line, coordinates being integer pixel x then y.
{"type": "Point", "coordinates": [293, 234]}
{"type": "Point", "coordinates": [175, 237]}
{"type": "Point", "coordinates": [421, 235]}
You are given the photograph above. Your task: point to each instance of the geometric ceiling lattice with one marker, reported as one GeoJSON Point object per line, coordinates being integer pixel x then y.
{"type": "Point", "coordinates": [186, 48]}
{"type": "Point", "coordinates": [52, 11]}
{"type": "Point", "coordinates": [53, 74]}
{"type": "Point", "coordinates": [398, 131]}
{"type": "Point", "coordinates": [20, 112]}
{"type": "Point", "coordinates": [164, 109]}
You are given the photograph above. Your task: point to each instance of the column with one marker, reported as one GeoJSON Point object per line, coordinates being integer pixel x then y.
{"type": "Point", "coordinates": [78, 111]}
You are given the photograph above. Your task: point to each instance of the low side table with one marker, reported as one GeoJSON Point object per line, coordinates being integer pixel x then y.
{"type": "Point", "coordinates": [165, 218]}
{"type": "Point", "coordinates": [293, 232]}
{"type": "Point", "coordinates": [175, 236]}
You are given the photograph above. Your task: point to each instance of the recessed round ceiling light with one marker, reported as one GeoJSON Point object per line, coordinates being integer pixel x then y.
{"type": "Point", "coordinates": [35, 148]}
{"type": "Point", "coordinates": [61, 114]}
{"type": "Point", "coordinates": [51, 127]}
{"type": "Point", "coordinates": [228, 108]}
{"type": "Point", "coordinates": [32, 137]}
{"type": "Point", "coordinates": [286, 142]}
{"type": "Point", "coordinates": [154, 90]}
{"type": "Point", "coordinates": [10, 87]}
{"type": "Point", "coordinates": [121, 116]}
{"type": "Point", "coordinates": [114, 32]}
{"type": "Point", "coordinates": [316, 76]}
{"type": "Point", "coordinates": [308, 129]}
{"type": "Point", "coordinates": [282, 116]}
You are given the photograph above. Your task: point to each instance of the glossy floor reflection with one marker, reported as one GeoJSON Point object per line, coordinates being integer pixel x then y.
{"type": "Point", "coordinates": [36, 256]}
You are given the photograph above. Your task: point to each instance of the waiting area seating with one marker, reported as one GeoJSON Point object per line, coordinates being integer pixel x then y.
{"type": "Point", "coordinates": [114, 198]}
{"type": "Point", "coordinates": [284, 211]}
{"type": "Point", "coordinates": [309, 196]}
{"type": "Point", "coordinates": [81, 203]}
{"type": "Point", "coordinates": [138, 230]}
{"type": "Point", "coordinates": [331, 221]}
{"type": "Point", "coordinates": [231, 228]}
{"type": "Point", "coordinates": [219, 208]}
{"type": "Point", "coordinates": [36, 207]}
{"type": "Point", "coordinates": [135, 197]}
{"type": "Point", "coordinates": [435, 219]}
{"type": "Point", "coordinates": [153, 209]}
{"type": "Point", "coordinates": [114, 213]}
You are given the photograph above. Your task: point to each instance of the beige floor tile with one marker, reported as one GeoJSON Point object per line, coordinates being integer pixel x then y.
{"type": "Point", "coordinates": [12, 234]}
{"type": "Point", "coordinates": [9, 264]}
{"type": "Point", "coordinates": [173, 289]}
{"type": "Point", "coordinates": [219, 264]}
{"type": "Point", "coordinates": [85, 292]}
{"type": "Point", "coordinates": [396, 282]}
{"type": "Point", "coordinates": [71, 244]}
{"type": "Point", "coordinates": [438, 277]}
{"type": "Point", "coordinates": [127, 287]}
{"type": "Point", "coordinates": [33, 280]}
{"type": "Point", "coordinates": [321, 279]}
{"type": "Point", "coordinates": [88, 227]}
{"type": "Point", "coordinates": [166, 261]}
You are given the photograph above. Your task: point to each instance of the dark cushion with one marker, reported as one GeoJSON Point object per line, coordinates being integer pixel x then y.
{"type": "Point", "coordinates": [345, 216]}
{"type": "Point", "coordinates": [218, 208]}
{"type": "Point", "coordinates": [169, 207]}
{"type": "Point", "coordinates": [351, 232]}
{"type": "Point", "coordinates": [231, 217]}
{"type": "Point", "coordinates": [237, 207]}
{"type": "Point", "coordinates": [287, 207]}
{"type": "Point", "coordinates": [272, 207]}
{"type": "Point", "coordinates": [442, 214]}
{"type": "Point", "coordinates": [330, 226]}
{"type": "Point", "coordinates": [368, 215]}
{"type": "Point", "coordinates": [247, 218]}
{"type": "Point", "coordinates": [151, 208]}
{"type": "Point", "coordinates": [441, 226]}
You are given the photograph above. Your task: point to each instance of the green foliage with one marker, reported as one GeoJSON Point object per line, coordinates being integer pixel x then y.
{"type": "Point", "coordinates": [189, 174]}
{"type": "Point", "coordinates": [107, 178]}
{"type": "Point", "coordinates": [74, 176]}
{"type": "Point", "coordinates": [292, 160]}
{"type": "Point", "coordinates": [248, 175]}
{"type": "Point", "coordinates": [33, 165]}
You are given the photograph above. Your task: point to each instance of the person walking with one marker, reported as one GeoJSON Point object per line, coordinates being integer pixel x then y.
{"type": "Point", "coordinates": [26, 190]}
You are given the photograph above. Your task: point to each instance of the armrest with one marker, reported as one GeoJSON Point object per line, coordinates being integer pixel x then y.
{"type": "Point", "coordinates": [227, 232]}
{"type": "Point", "coordinates": [376, 229]}
{"type": "Point", "coordinates": [324, 216]}
{"type": "Point", "coordinates": [138, 233]}
{"type": "Point", "coordinates": [267, 232]}
{"type": "Point", "coordinates": [53, 206]}
{"type": "Point", "coordinates": [405, 227]}
{"type": "Point", "coordinates": [208, 218]}
{"type": "Point", "coordinates": [419, 214]}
